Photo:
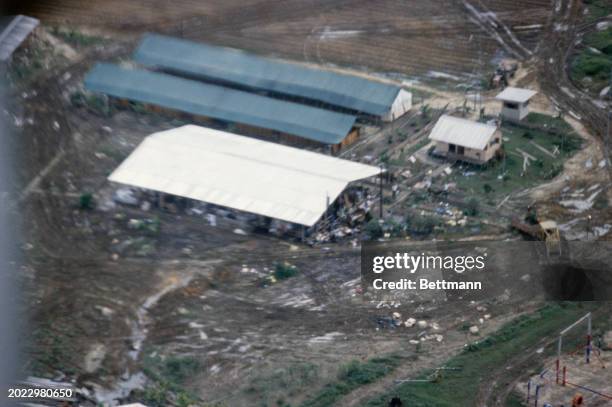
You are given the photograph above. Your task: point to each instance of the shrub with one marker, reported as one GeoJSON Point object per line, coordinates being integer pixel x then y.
{"type": "Point", "coordinates": [472, 207]}
{"type": "Point", "coordinates": [487, 188]}
{"type": "Point", "coordinates": [283, 271]}
{"type": "Point", "coordinates": [422, 225]}
{"type": "Point", "coordinates": [373, 229]}
{"type": "Point", "coordinates": [86, 201]}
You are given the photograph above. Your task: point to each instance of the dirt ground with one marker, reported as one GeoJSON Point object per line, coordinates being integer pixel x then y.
{"type": "Point", "coordinates": [106, 298]}
{"type": "Point", "coordinates": [588, 379]}
{"type": "Point", "coordinates": [452, 37]}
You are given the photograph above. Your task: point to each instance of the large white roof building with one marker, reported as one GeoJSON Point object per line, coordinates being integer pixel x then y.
{"type": "Point", "coordinates": [240, 172]}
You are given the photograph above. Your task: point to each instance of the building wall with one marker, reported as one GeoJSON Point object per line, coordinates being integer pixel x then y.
{"type": "Point", "coordinates": [514, 111]}
{"type": "Point", "coordinates": [401, 105]}
{"type": "Point", "coordinates": [352, 137]}
{"type": "Point", "coordinates": [470, 154]}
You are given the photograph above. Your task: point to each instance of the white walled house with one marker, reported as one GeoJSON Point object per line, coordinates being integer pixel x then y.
{"type": "Point", "coordinates": [515, 103]}
{"type": "Point", "coordinates": [465, 140]}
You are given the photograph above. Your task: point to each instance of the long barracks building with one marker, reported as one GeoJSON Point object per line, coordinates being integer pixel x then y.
{"type": "Point", "coordinates": [249, 113]}
{"type": "Point", "coordinates": [302, 83]}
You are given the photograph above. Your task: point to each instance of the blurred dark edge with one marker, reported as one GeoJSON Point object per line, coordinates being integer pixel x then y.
{"type": "Point", "coordinates": [9, 336]}
{"type": "Point", "coordinates": [10, 7]}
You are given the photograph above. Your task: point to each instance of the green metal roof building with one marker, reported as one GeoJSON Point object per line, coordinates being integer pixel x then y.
{"type": "Point", "coordinates": [221, 103]}
{"type": "Point", "coordinates": [248, 71]}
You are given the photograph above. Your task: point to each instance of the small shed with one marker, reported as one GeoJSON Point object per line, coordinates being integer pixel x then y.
{"type": "Point", "coordinates": [515, 103]}
{"type": "Point", "coordinates": [465, 140]}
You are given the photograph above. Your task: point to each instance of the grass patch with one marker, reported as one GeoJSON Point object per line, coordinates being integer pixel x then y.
{"type": "Point", "coordinates": [168, 376]}
{"type": "Point", "coordinates": [591, 67]}
{"type": "Point", "coordinates": [514, 400]}
{"type": "Point", "coordinates": [290, 381]}
{"type": "Point", "coordinates": [351, 376]}
{"type": "Point", "coordinates": [93, 102]}
{"type": "Point", "coordinates": [598, 8]}
{"type": "Point", "coordinates": [51, 351]}
{"type": "Point", "coordinates": [28, 62]}
{"type": "Point", "coordinates": [76, 38]}
{"type": "Point", "coordinates": [502, 177]}
{"type": "Point", "coordinates": [460, 388]}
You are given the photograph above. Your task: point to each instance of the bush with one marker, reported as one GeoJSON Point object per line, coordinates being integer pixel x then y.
{"type": "Point", "coordinates": [86, 201]}
{"type": "Point", "coordinates": [283, 271]}
{"type": "Point", "coordinates": [487, 188]}
{"type": "Point", "coordinates": [422, 225]}
{"type": "Point", "coordinates": [472, 207]}
{"type": "Point", "coordinates": [167, 379]}
{"type": "Point", "coordinates": [373, 229]}
{"type": "Point", "coordinates": [595, 65]}
{"type": "Point", "coordinates": [179, 369]}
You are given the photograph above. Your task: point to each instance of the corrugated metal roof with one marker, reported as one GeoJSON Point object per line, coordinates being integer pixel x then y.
{"type": "Point", "coordinates": [239, 67]}
{"type": "Point", "coordinates": [220, 103]}
{"type": "Point", "coordinates": [14, 31]}
{"type": "Point", "coordinates": [517, 95]}
{"type": "Point", "coordinates": [240, 172]}
{"type": "Point", "coordinates": [462, 132]}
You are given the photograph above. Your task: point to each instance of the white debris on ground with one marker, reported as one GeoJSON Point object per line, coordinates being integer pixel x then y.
{"type": "Point", "coordinates": [328, 337]}
{"type": "Point", "coordinates": [581, 200]}
{"type": "Point", "coordinates": [126, 196]}
{"type": "Point", "coordinates": [410, 322]}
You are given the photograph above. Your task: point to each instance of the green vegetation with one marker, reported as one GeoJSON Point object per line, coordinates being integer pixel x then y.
{"type": "Point", "coordinates": [290, 381]}
{"type": "Point", "coordinates": [86, 201]}
{"type": "Point", "coordinates": [76, 38]}
{"type": "Point", "coordinates": [150, 225]}
{"type": "Point", "coordinates": [504, 176]}
{"type": "Point", "coordinates": [598, 8]}
{"type": "Point", "coordinates": [27, 62]}
{"type": "Point", "coordinates": [352, 376]}
{"type": "Point", "coordinates": [283, 271]}
{"type": "Point", "coordinates": [472, 207]}
{"type": "Point", "coordinates": [417, 146]}
{"type": "Point", "coordinates": [373, 229]}
{"type": "Point", "coordinates": [592, 66]}
{"type": "Point", "coordinates": [459, 388]}
{"type": "Point", "coordinates": [97, 104]}
{"type": "Point", "coordinates": [51, 351]}
{"type": "Point", "coordinates": [514, 400]}
{"type": "Point", "coordinates": [421, 225]}
{"type": "Point", "coordinates": [168, 376]}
